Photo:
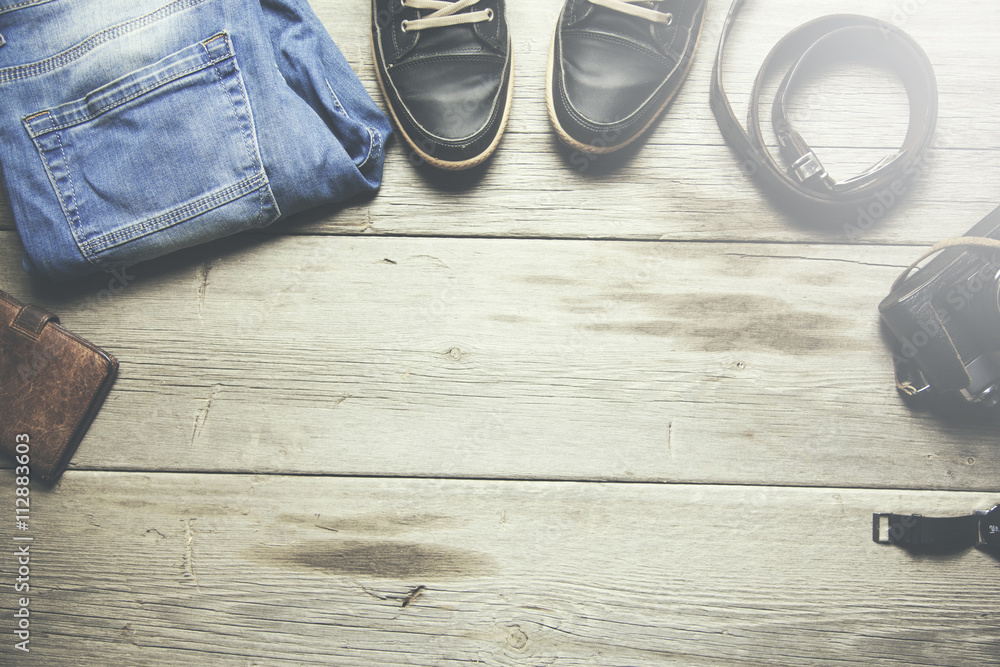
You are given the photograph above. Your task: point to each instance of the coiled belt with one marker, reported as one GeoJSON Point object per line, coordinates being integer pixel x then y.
{"type": "Point", "coordinates": [805, 185]}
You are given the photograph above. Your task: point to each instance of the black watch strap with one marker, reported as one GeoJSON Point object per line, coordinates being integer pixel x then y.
{"type": "Point", "coordinates": [989, 528]}
{"type": "Point", "coordinates": [920, 532]}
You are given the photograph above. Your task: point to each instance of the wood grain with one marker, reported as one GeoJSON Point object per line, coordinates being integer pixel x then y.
{"type": "Point", "coordinates": [270, 570]}
{"type": "Point", "coordinates": [432, 427]}
{"type": "Point", "coordinates": [687, 362]}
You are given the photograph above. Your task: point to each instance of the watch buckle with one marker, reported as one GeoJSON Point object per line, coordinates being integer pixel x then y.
{"type": "Point", "coordinates": [877, 528]}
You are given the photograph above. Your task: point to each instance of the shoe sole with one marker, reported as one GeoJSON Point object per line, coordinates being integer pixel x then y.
{"type": "Point", "coordinates": [603, 150]}
{"type": "Point", "coordinates": [430, 159]}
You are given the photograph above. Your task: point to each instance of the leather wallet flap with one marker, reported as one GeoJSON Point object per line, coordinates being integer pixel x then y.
{"type": "Point", "coordinates": [52, 383]}
{"type": "Point", "coordinates": [30, 320]}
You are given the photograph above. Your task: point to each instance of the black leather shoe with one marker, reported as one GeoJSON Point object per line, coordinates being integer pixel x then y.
{"type": "Point", "coordinates": [615, 65]}
{"type": "Point", "coordinates": [445, 69]}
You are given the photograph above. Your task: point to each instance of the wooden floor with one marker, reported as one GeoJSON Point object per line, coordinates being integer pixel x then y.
{"type": "Point", "coordinates": [554, 412]}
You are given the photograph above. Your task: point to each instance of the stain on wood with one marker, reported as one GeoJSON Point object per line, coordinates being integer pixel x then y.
{"type": "Point", "coordinates": [645, 318]}
{"type": "Point", "coordinates": [733, 322]}
{"type": "Point", "coordinates": [381, 558]}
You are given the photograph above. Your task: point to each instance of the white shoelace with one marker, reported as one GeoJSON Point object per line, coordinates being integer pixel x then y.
{"type": "Point", "coordinates": [629, 7]}
{"type": "Point", "coordinates": [447, 14]}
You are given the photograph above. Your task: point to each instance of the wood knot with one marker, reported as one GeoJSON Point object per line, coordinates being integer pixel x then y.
{"type": "Point", "coordinates": [516, 637]}
{"type": "Point", "coordinates": [455, 353]}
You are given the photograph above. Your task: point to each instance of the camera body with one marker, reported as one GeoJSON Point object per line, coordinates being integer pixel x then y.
{"type": "Point", "coordinates": [946, 318]}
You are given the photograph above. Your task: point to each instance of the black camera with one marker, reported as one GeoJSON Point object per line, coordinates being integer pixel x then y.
{"type": "Point", "coordinates": [946, 319]}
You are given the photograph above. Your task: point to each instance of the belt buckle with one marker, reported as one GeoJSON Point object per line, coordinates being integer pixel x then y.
{"type": "Point", "coordinates": [807, 167]}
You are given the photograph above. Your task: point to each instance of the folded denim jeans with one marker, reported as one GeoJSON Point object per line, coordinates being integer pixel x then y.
{"type": "Point", "coordinates": [133, 128]}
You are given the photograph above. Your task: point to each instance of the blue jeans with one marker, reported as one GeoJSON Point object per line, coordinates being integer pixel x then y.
{"type": "Point", "coordinates": [133, 128]}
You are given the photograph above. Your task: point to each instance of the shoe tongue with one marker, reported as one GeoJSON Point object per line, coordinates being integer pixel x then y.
{"type": "Point", "coordinates": [460, 38]}
{"type": "Point", "coordinates": [602, 19]}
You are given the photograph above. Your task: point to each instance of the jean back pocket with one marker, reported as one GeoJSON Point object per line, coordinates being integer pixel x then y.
{"type": "Point", "coordinates": [163, 158]}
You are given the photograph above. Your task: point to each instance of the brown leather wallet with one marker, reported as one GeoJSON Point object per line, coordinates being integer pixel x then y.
{"type": "Point", "coordinates": [52, 384]}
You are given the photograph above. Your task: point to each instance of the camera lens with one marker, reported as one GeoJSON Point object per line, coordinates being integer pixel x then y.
{"type": "Point", "coordinates": [989, 397]}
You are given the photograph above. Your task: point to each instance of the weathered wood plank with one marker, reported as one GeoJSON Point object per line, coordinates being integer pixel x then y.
{"type": "Point", "coordinates": [137, 569]}
{"type": "Point", "coordinates": [684, 183]}
{"type": "Point", "coordinates": [726, 363]}
{"type": "Point", "coordinates": [743, 362]}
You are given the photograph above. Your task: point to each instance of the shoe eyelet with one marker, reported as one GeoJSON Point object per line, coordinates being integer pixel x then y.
{"type": "Point", "coordinates": [670, 19]}
{"type": "Point", "coordinates": [403, 25]}
{"type": "Point", "coordinates": [489, 14]}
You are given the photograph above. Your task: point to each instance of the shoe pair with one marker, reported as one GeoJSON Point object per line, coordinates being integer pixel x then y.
{"type": "Point", "coordinates": [446, 68]}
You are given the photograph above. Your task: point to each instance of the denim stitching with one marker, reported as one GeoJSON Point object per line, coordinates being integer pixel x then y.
{"type": "Point", "coordinates": [118, 103]}
{"type": "Point", "coordinates": [48, 170]}
{"type": "Point", "coordinates": [74, 221]}
{"type": "Point", "coordinates": [221, 198]}
{"type": "Point", "coordinates": [90, 247]}
{"type": "Point", "coordinates": [268, 195]}
{"type": "Point", "coordinates": [247, 127]}
{"type": "Point", "coordinates": [255, 152]}
{"type": "Point", "coordinates": [374, 147]}
{"type": "Point", "coordinates": [73, 53]}
{"type": "Point", "coordinates": [243, 130]}
{"type": "Point", "coordinates": [232, 193]}
{"type": "Point", "coordinates": [72, 187]}
{"type": "Point", "coordinates": [22, 5]}
{"type": "Point", "coordinates": [177, 215]}
{"type": "Point", "coordinates": [236, 115]}
{"type": "Point", "coordinates": [79, 232]}
{"type": "Point", "coordinates": [260, 207]}
{"type": "Point", "coordinates": [371, 148]}
{"type": "Point", "coordinates": [377, 141]}
{"type": "Point", "coordinates": [336, 101]}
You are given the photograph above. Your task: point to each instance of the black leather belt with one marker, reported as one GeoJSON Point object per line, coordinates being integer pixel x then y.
{"type": "Point", "coordinates": [805, 185]}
